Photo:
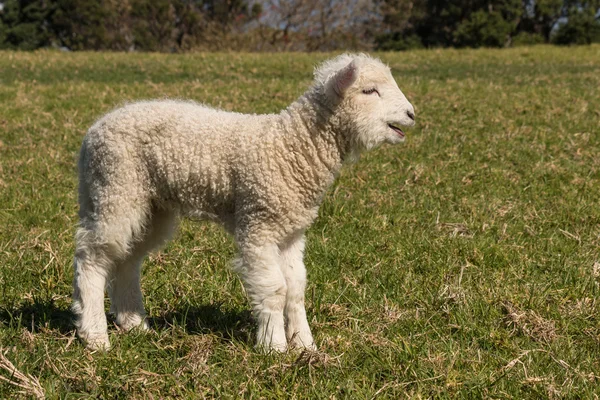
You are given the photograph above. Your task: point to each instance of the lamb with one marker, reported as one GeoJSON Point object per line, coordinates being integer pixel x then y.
{"type": "Point", "coordinates": [263, 177]}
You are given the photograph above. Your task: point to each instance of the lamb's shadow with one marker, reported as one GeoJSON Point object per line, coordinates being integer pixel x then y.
{"type": "Point", "coordinates": [41, 314]}
{"type": "Point", "coordinates": [230, 325]}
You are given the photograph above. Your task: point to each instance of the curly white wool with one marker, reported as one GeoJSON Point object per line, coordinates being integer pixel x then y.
{"type": "Point", "coordinates": [261, 176]}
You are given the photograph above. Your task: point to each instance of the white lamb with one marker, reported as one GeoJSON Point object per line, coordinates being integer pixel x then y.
{"type": "Point", "coordinates": [262, 176]}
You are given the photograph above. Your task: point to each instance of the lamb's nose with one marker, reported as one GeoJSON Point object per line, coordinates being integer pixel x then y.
{"type": "Point", "coordinates": [411, 115]}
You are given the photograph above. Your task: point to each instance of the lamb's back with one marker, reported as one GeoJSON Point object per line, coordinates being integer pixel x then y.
{"type": "Point", "coordinates": [181, 151]}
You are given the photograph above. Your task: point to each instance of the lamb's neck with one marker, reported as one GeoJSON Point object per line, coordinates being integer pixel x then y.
{"type": "Point", "coordinates": [310, 147]}
{"type": "Point", "coordinates": [314, 125]}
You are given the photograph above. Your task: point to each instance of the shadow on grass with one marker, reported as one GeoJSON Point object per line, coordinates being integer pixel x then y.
{"type": "Point", "coordinates": [230, 325]}
{"type": "Point", "coordinates": [42, 314]}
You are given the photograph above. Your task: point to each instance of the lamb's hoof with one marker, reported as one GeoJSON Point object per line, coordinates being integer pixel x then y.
{"type": "Point", "coordinates": [268, 348]}
{"type": "Point", "coordinates": [297, 342]}
{"type": "Point", "coordinates": [300, 347]}
{"type": "Point", "coordinates": [96, 342]}
{"type": "Point", "coordinates": [133, 323]}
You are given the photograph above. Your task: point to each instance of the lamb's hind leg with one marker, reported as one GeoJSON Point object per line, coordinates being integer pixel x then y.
{"type": "Point", "coordinates": [297, 329]}
{"type": "Point", "coordinates": [100, 246]}
{"type": "Point", "coordinates": [92, 266]}
{"type": "Point", "coordinates": [125, 292]}
{"type": "Point", "coordinates": [103, 240]}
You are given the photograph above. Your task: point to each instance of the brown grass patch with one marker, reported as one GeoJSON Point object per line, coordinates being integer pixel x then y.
{"type": "Point", "coordinates": [199, 349]}
{"type": "Point", "coordinates": [529, 323]}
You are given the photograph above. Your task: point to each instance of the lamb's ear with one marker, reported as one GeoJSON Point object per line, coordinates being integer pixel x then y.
{"type": "Point", "coordinates": [343, 79]}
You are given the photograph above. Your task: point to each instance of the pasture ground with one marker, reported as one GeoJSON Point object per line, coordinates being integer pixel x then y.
{"type": "Point", "coordinates": [462, 264]}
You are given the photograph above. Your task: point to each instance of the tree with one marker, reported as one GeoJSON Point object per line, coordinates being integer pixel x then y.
{"type": "Point", "coordinates": [488, 29]}
{"type": "Point", "coordinates": [582, 26]}
{"type": "Point", "coordinates": [540, 16]}
{"type": "Point", "coordinates": [318, 25]}
{"type": "Point", "coordinates": [454, 22]}
{"type": "Point", "coordinates": [441, 19]}
{"type": "Point", "coordinates": [23, 24]}
{"type": "Point", "coordinates": [228, 12]}
{"type": "Point", "coordinates": [397, 29]}
{"type": "Point", "coordinates": [190, 25]}
{"type": "Point", "coordinates": [82, 25]}
{"type": "Point", "coordinates": [301, 25]}
{"type": "Point", "coordinates": [152, 24]}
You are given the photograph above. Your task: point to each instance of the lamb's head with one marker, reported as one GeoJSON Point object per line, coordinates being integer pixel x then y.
{"type": "Point", "coordinates": [368, 106]}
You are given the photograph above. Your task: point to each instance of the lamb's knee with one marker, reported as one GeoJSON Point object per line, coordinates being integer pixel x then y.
{"type": "Point", "coordinates": [259, 269]}
{"type": "Point", "coordinates": [271, 300]}
{"type": "Point", "coordinates": [267, 290]}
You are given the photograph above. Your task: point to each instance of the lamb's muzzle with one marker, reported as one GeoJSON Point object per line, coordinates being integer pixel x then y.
{"type": "Point", "coordinates": [397, 129]}
{"type": "Point", "coordinates": [145, 165]}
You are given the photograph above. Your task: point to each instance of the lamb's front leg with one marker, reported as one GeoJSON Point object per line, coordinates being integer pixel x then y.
{"type": "Point", "coordinates": [297, 328]}
{"type": "Point", "coordinates": [259, 268]}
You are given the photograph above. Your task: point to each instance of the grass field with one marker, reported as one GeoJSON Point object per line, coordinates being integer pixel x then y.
{"type": "Point", "coordinates": [462, 264]}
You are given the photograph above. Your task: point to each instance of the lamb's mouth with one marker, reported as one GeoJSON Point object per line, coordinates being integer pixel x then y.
{"type": "Point", "coordinates": [396, 129]}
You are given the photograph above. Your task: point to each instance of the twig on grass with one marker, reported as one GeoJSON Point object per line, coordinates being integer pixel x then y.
{"type": "Point", "coordinates": [28, 383]}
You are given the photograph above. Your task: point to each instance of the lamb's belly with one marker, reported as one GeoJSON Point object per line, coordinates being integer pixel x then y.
{"type": "Point", "coordinates": [205, 199]}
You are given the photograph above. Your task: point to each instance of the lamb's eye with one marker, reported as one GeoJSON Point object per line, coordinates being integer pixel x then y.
{"type": "Point", "coordinates": [370, 91]}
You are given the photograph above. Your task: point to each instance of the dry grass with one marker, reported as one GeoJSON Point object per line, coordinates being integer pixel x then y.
{"type": "Point", "coordinates": [529, 323]}
{"type": "Point", "coordinates": [26, 383]}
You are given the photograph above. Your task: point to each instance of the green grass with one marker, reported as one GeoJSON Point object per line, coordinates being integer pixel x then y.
{"type": "Point", "coordinates": [462, 264]}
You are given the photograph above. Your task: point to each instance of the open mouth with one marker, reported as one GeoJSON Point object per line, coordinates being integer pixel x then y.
{"type": "Point", "coordinates": [396, 129]}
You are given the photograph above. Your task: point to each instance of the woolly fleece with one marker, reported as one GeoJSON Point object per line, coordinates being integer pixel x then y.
{"type": "Point", "coordinates": [263, 177]}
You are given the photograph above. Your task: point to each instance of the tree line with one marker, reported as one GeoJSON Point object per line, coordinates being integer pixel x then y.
{"type": "Point", "coordinates": [293, 25]}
